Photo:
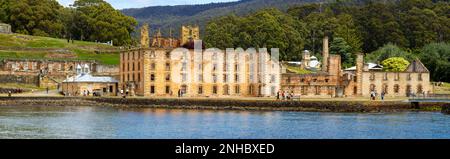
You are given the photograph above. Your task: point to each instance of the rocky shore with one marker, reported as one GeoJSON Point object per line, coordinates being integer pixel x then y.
{"type": "Point", "coordinates": [446, 108]}
{"type": "Point", "coordinates": [226, 104]}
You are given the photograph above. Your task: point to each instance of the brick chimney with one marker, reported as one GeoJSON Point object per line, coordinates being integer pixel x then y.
{"type": "Point", "coordinates": [325, 54]}
{"type": "Point", "coordinates": [359, 71]}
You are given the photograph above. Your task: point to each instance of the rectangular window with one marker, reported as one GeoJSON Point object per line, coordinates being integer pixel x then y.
{"type": "Point", "coordinates": [167, 77]}
{"type": "Point", "coordinates": [184, 66]}
{"type": "Point", "coordinates": [152, 77]}
{"type": "Point", "coordinates": [304, 90]}
{"type": "Point", "coordinates": [184, 77]}
{"type": "Point", "coordinates": [139, 77]}
{"type": "Point", "coordinates": [214, 89]}
{"type": "Point", "coordinates": [168, 55]}
{"type": "Point", "coordinates": [419, 76]}
{"type": "Point", "coordinates": [200, 89]}
{"type": "Point", "coordinates": [200, 78]}
{"type": "Point", "coordinates": [152, 89]}
{"type": "Point", "coordinates": [236, 78]}
{"type": "Point", "coordinates": [152, 66]}
{"type": "Point", "coordinates": [167, 89]}
{"type": "Point", "coordinates": [397, 76]}
{"type": "Point", "coordinates": [317, 88]}
{"type": "Point", "coordinates": [385, 77]}
{"type": "Point", "coordinates": [272, 79]}
{"type": "Point", "coordinates": [237, 89]}
{"type": "Point", "coordinates": [372, 76]}
{"type": "Point", "coordinates": [408, 77]}
{"type": "Point", "coordinates": [236, 68]}
{"type": "Point", "coordinates": [225, 78]}
{"type": "Point", "coordinates": [214, 78]}
{"type": "Point", "coordinates": [167, 66]}
{"type": "Point", "coordinates": [214, 67]}
{"type": "Point", "coordinates": [139, 66]}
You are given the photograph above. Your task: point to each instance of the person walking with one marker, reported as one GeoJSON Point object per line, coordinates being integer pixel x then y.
{"type": "Point", "coordinates": [47, 89]}
{"type": "Point", "coordinates": [278, 95]}
{"type": "Point", "coordinates": [382, 95]}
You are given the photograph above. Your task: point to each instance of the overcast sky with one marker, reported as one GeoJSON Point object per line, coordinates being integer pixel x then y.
{"type": "Point", "coordinates": [120, 4]}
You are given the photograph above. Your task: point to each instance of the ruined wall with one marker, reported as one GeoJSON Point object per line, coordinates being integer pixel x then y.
{"type": "Point", "coordinates": [23, 79]}
{"type": "Point", "coordinates": [106, 70]}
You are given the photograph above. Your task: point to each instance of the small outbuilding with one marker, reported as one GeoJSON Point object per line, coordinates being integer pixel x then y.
{"type": "Point", "coordinates": [5, 28]}
{"type": "Point", "coordinates": [85, 84]}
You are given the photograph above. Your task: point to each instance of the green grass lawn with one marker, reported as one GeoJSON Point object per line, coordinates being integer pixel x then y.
{"type": "Point", "coordinates": [297, 70]}
{"type": "Point", "coordinates": [18, 46]}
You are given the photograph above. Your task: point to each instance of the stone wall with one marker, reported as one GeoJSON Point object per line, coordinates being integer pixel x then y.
{"type": "Point", "coordinates": [220, 104]}
{"type": "Point", "coordinates": [34, 80]}
{"type": "Point", "coordinates": [107, 70]}
{"type": "Point", "coordinates": [446, 108]}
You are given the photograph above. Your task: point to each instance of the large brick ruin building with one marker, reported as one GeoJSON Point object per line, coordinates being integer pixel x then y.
{"type": "Point", "coordinates": [361, 80]}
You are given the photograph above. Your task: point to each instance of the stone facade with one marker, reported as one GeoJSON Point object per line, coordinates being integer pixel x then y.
{"type": "Point", "coordinates": [189, 33]}
{"type": "Point", "coordinates": [162, 70]}
{"type": "Point", "coordinates": [332, 81]}
{"type": "Point", "coordinates": [212, 73]}
{"type": "Point", "coordinates": [5, 28]}
{"type": "Point", "coordinates": [414, 80]}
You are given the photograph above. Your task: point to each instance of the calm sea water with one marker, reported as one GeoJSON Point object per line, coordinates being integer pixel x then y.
{"type": "Point", "coordinates": [103, 122]}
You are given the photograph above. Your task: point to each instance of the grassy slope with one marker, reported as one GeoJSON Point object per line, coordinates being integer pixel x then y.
{"type": "Point", "coordinates": [19, 46]}
{"type": "Point", "coordinates": [296, 69]}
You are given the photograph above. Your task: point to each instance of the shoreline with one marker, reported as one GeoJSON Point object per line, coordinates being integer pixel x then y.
{"type": "Point", "coordinates": [227, 104]}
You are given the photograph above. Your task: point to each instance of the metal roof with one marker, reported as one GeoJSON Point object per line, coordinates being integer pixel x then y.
{"type": "Point", "coordinates": [89, 78]}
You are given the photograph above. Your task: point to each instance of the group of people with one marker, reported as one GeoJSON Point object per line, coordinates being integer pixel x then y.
{"type": "Point", "coordinates": [374, 94]}
{"type": "Point", "coordinates": [285, 95]}
{"type": "Point", "coordinates": [124, 94]}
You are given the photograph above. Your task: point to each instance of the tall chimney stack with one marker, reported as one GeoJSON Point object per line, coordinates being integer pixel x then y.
{"type": "Point", "coordinates": [358, 73]}
{"type": "Point", "coordinates": [325, 54]}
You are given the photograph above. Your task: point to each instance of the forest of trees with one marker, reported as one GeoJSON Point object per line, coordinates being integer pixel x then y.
{"type": "Point", "coordinates": [380, 29]}
{"type": "Point", "coordinates": [90, 20]}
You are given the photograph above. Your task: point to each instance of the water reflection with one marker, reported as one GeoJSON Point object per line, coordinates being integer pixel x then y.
{"type": "Point", "coordinates": [106, 122]}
